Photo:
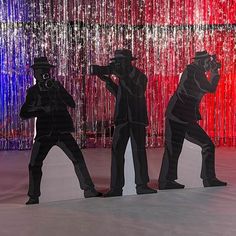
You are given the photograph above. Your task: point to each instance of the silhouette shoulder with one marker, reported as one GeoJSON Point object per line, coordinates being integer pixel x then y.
{"type": "Point", "coordinates": [32, 89]}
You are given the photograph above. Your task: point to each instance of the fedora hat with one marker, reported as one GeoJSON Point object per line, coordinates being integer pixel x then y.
{"type": "Point", "coordinates": [41, 62]}
{"type": "Point", "coordinates": [201, 54]}
{"type": "Point", "coordinates": [123, 53]}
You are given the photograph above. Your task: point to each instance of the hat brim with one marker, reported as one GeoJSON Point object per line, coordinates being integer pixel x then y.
{"type": "Point", "coordinates": [42, 66]}
{"type": "Point", "coordinates": [200, 57]}
{"type": "Point", "coordinates": [120, 57]}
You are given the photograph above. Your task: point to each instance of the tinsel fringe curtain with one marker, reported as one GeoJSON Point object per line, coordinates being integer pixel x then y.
{"type": "Point", "coordinates": [163, 34]}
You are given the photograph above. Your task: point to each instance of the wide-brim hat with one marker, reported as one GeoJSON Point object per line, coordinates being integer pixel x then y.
{"type": "Point", "coordinates": [201, 54]}
{"type": "Point", "coordinates": [41, 62]}
{"type": "Point", "coordinates": [123, 53]}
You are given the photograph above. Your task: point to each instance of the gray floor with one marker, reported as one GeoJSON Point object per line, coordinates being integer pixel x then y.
{"type": "Point", "coordinates": [192, 211]}
{"type": "Point", "coordinates": [195, 211]}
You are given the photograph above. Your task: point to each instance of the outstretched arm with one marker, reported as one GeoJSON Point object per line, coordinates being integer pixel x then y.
{"type": "Point", "coordinates": [215, 77]}
{"type": "Point", "coordinates": [208, 86]}
{"type": "Point", "coordinates": [110, 85]}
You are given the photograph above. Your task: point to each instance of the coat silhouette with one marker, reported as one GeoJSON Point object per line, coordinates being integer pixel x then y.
{"type": "Point", "coordinates": [58, 119]}
{"type": "Point", "coordinates": [193, 85]}
{"type": "Point", "coordinates": [130, 98]}
{"type": "Point", "coordinates": [182, 115]}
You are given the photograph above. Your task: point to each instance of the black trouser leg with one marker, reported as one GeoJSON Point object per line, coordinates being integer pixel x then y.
{"type": "Point", "coordinates": [174, 138]}
{"type": "Point", "coordinates": [138, 137]}
{"type": "Point", "coordinates": [119, 143]}
{"type": "Point", "coordinates": [197, 135]}
{"type": "Point", "coordinates": [68, 144]}
{"type": "Point", "coordinates": [39, 152]}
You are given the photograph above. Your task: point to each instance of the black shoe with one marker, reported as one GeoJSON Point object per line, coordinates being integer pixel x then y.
{"type": "Point", "coordinates": [214, 182]}
{"type": "Point", "coordinates": [144, 189]}
{"type": "Point", "coordinates": [113, 193]}
{"type": "Point", "coordinates": [92, 193]}
{"type": "Point", "coordinates": [170, 184]}
{"type": "Point", "coordinates": [32, 201]}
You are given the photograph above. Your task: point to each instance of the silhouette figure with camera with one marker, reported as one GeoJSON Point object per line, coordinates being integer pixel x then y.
{"type": "Point", "coordinates": [48, 100]}
{"type": "Point", "coordinates": [182, 115]}
{"type": "Point", "coordinates": [130, 119]}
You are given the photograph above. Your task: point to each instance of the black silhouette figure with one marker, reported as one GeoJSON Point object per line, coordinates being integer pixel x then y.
{"type": "Point", "coordinates": [48, 100]}
{"type": "Point", "coordinates": [130, 120]}
{"type": "Point", "coordinates": [182, 115]}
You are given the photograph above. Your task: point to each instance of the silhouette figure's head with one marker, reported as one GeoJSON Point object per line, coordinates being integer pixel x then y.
{"type": "Point", "coordinates": [123, 60]}
{"type": "Point", "coordinates": [203, 59]}
{"type": "Point", "coordinates": [41, 66]}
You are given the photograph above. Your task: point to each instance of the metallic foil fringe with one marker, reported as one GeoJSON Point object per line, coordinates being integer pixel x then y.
{"type": "Point", "coordinates": [73, 34]}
